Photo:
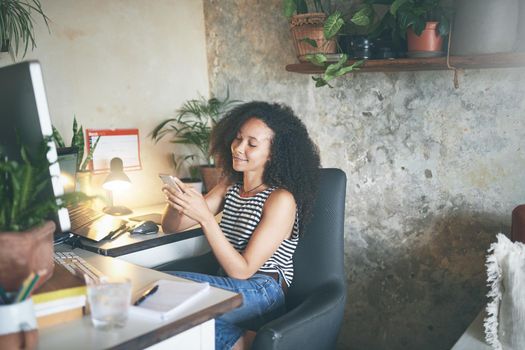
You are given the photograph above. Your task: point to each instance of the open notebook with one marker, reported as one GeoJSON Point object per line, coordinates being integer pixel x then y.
{"type": "Point", "coordinates": [171, 298]}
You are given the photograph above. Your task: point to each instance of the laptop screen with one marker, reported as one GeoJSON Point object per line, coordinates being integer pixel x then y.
{"type": "Point", "coordinates": [67, 160]}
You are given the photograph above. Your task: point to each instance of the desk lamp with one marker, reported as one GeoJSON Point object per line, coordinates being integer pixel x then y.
{"type": "Point", "coordinates": [116, 180]}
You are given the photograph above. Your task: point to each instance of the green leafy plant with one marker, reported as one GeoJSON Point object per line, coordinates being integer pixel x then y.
{"type": "Point", "coordinates": [193, 124]}
{"type": "Point", "coordinates": [77, 141]}
{"type": "Point", "coordinates": [372, 23]}
{"type": "Point", "coordinates": [21, 185]}
{"type": "Point", "coordinates": [16, 24]}
{"type": "Point", "coordinates": [290, 7]}
{"type": "Point", "coordinates": [333, 70]}
{"type": "Point", "coordinates": [332, 27]}
{"type": "Point", "coordinates": [416, 13]}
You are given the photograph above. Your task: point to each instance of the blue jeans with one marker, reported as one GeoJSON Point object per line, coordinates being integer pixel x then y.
{"type": "Point", "coordinates": [263, 299]}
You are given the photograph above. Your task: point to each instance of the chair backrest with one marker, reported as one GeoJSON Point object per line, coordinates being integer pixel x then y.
{"type": "Point", "coordinates": [517, 231]}
{"type": "Point", "coordinates": [319, 257]}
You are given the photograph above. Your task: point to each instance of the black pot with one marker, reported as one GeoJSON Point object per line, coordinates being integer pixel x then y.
{"type": "Point", "coordinates": [358, 47]}
{"type": "Point", "coordinates": [384, 49]}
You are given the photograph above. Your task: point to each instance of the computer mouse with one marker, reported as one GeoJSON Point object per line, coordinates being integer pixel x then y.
{"type": "Point", "coordinates": [145, 228]}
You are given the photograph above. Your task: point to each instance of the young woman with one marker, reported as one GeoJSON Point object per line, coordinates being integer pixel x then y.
{"type": "Point", "coordinates": [271, 174]}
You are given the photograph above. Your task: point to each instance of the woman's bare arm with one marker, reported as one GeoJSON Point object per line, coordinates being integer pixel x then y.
{"type": "Point", "coordinates": [276, 225]}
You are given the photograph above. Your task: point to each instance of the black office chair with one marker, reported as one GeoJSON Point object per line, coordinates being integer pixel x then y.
{"type": "Point", "coordinates": [315, 301]}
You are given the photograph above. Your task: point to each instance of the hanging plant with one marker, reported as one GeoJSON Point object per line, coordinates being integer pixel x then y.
{"type": "Point", "coordinates": [16, 25]}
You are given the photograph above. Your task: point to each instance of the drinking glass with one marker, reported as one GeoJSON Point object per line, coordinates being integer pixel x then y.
{"type": "Point", "coordinates": [109, 300]}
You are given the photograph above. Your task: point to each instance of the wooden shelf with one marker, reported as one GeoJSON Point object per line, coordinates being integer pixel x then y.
{"type": "Point", "coordinates": [500, 60]}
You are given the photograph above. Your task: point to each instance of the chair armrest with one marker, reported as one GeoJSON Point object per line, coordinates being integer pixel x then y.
{"type": "Point", "coordinates": [314, 324]}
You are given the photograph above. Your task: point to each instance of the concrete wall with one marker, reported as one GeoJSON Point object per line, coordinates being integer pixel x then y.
{"type": "Point", "coordinates": [433, 173]}
{"type": "Point", "coordinates": [122, 64]}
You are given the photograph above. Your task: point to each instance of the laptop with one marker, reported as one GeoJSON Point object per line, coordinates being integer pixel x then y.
{"type": "Point", "coordinates": [85, 221]}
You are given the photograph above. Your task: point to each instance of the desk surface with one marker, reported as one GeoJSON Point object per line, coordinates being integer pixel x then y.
{"type": "Point", "coordinates": [127, 244]}
{"type": "Point", "coordinates": [474, 336]}
{"type": "Point", "coordinates": [137, 334]}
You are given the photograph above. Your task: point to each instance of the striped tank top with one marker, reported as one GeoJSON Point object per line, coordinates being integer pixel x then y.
{"type": "Point", "coordinates": [240, 218]}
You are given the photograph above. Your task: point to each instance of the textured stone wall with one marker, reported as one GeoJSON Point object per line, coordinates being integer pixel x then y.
{"type": "Point", "coordinates": [433, 173]}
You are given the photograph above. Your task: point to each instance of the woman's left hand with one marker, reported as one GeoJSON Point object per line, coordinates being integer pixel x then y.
{"type": "Point", "coordinates": [190, 203]}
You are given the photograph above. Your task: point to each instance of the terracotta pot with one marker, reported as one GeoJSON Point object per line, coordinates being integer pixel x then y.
{"type": "Point", "coordinates": [210, 176]}
{"type": "Point", "coordinates": [24, 252]}
{"type": "Point", "coordinates": [429, 40]}
{"type": "Point", "coordinates": [310, 26]}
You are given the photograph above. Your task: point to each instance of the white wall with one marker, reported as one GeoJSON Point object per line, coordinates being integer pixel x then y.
{"type": "Point", "coordinates": [123, 64]}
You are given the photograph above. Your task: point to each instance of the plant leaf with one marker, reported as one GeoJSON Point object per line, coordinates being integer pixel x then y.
{"type": "Point", "coordinates": [289, 8]}
{"type": "Point", "coordinates": [320, 82]}
{"type": "Point", "coordinates": [89, 156]}
{"type": "Point", "coordinates": [309, 41]}
{"type": "Point", "coordinates": [363, 16]}
{"type": "Point", "coordinates": [396, 5]}
{"type": "Point", "coordinates": [58, 138]}
{"type": "Point", "coordinates": [318, 59]}
{"type": "Point", "coordinates": [333, 24]}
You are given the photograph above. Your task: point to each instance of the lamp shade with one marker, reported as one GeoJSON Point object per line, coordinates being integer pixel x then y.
{"type": "Point", "coordinates": [116, 179]}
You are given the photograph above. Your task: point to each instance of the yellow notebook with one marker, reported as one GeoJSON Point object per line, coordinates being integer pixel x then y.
{"type": "Point", "coordinates": [63, 284]}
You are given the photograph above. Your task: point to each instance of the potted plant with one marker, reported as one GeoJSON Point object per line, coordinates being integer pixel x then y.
{"type": "Point", "coordinates": [192, 126]}
{"type": "Point", "coordinates": [16, 25]}
{"type": "Point", "coordinates": [314, 26]}
{"type": "Point", "coordinates": [425, 23]}
{"type": "Point", "coordinates": [372, 32]}
{"type": "Point", "coordinates": [77, 141]}
{"type": "Point", "coordinates": [307, 26]}
{"type": "Point", "coordinates": [26, 233]}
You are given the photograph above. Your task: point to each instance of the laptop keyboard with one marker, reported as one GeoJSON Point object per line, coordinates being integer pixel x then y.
{"type": "Point", "coordinates": [76, 265]}
{"type": "Point", "coordinates": [82, 215]}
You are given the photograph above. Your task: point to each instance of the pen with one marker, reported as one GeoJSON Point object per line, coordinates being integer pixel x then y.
{"type": "Point", "coordinates": [112, 233]}
{"type": "Point", "coordinates": [146, 294]}
{"type": "Point", "coordinates": [118, 234]}
{"type": "Point", "coordinates": [24, 287]}
{"type": "Point", "coordinates": [31, 286]}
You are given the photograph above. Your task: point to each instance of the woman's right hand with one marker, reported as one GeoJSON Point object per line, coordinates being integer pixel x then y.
{"type": "Point", "coordinates": [174, 220]}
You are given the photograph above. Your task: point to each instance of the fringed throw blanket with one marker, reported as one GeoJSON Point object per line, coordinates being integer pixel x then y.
{"type": "Point", "coordinates": [505, 323]}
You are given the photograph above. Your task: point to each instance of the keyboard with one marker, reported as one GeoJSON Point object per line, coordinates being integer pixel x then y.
{"type": "Point", "coordinates": [76, 265]}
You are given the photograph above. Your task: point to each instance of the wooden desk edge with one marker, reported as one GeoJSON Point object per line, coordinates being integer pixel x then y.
{"type": "Point", "coordinates": [169, 330]}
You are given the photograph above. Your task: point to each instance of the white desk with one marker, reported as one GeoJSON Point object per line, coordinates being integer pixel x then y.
{"type": "Point", "coordinates": [192, 329]}
{"type": "Point", "coordinates": [474, 336]}
{"type": "Point", "coordinates": [151, 250]}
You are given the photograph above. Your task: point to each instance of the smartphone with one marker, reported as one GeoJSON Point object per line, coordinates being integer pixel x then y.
{"type": "Point", "coordinates": [170, 181]}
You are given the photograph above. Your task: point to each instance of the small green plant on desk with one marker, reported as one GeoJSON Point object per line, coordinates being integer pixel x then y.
{"type": "Point", "coordinates": [77, 141]}
{"type": "Point", "coordinates": [26, 206]}
{"type": "Point", "coordinates": [22, 201]}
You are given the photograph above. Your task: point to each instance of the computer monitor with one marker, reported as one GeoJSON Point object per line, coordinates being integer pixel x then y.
{"type": "Point", "coordinates": [24, 119]}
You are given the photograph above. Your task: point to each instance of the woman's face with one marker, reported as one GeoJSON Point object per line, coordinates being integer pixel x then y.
{"type": "Point", "coordinates": [251, 147]}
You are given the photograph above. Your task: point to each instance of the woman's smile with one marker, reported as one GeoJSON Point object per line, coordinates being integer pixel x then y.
{"type": "Point", "coordinates": [239, 159]}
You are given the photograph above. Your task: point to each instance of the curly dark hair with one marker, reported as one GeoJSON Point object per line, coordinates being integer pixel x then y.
{"type": "Point", "coordinates": [294, 159]}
